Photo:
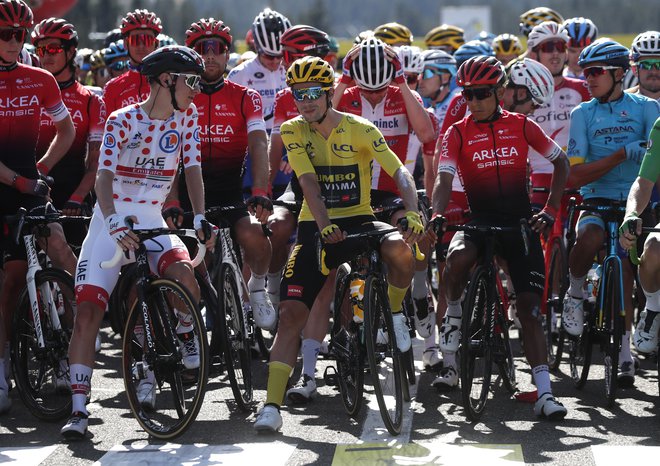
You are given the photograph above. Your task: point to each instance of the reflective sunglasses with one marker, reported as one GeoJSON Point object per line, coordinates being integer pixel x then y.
{"type": "Point", "coordinates": [17, 33]}
{"type": "Point", "coordinates": [479, 93]}
{"type": "Point", "coordinates": [141, 39]}
{"type": "Point", "coordinates": [191, 80]}
{"type": "Point", "coordinates": [649, 65]}
{"type": "Point", "coordinates": [549, 47]}
{"type": "Point", "coordinates": [50, 49]}
{"type": "Point", "coordinates": [119, 65]}
{"type": "Point", "coordinates": [210, 45]}
{"type": "Point", "coordinates": [310, 93]}
{"type": "Point", "coordinates": [597, 70]}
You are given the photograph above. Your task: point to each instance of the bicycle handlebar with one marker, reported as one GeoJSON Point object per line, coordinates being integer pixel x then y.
{"type": "Point", "coordinates": [523, 228]}
{"type": "Point", "coordinates": [20, 219]}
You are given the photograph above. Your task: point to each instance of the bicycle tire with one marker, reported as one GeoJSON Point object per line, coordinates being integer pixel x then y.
{"type": "Point", "coordinates": [383, 355]}
{"type": "Point", "coordinates": [580, 352]}
{"type": "Point", "coordinates": [236, 342]}
{"type": "Point", "coordinates": [118, 305]}
{"type": "Point", "coordinates": [504, 353]}
{"type": "Point", "coordinates": [612, 328]}
{"type": "Point", "coordinates": [475, 352]}
{"type": "Point", "coordinates": [408, 358]}
{"type": "Point", "coordinates": [35, 369]}
{"type": "Point", "coordinates": [173, 380]}
{"type": "Point", "coordinates": [556, 287]}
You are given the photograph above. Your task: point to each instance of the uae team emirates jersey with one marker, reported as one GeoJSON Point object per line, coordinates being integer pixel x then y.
{"type": "Point", "coordinates": [491, 160]}
{"type": "Point", "coordinates": [144, 154]}
{"type": "Point", "coordinates": [128, 89]}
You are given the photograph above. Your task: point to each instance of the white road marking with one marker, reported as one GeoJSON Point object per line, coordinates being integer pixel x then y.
{"type": "Point", "coordinates": [616, 455]}
{"type": "Point", "coordinates": [27, 456]}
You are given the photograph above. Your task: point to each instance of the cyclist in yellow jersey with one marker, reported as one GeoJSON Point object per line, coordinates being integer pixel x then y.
{"type": "Point", "coordinates": [331, 153]}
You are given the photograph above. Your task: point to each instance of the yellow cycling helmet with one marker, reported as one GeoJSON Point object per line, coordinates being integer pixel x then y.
{"type": "Point", "coordinates": [537, 15]}
{"type": "Point", "coordinates": [507, 44]}
{"type": "Point", "coordinates": [394, 34]}
{"type": "Point", "coordinates": [310, 70]}
{"type": "Point", "coordinates": [445, 35]}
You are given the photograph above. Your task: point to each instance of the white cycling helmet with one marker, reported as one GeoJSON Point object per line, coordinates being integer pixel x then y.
{"type": "Point", "coordinates": [371, 69]}
{"type": "Point", "coordinates": [535, 77]}
{"type": "Point", "coordinates": [267, 29]}
{"type": "Point", "coordinates": [630, 79]}
{"type": "Point", "coordinates": [645, 44]}
{"type": "Point", "coordinates": [545, 31]}
{"type": "Point", "coordinates": [411, 58]}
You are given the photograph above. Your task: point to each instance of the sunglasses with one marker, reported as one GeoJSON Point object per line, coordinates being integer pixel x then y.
{"type": "Point", "coordinates": [310, 93]}
{"type": "Point", "coordinates": [210, 45]}
{"type": "Point", "coordinates": [119, 65]}
{"type": "Point", "coordinates": [141, 39]}
{"type": "Point", "coordinates": [549, 47]}
{"type": "Point", "coordinates": [191, 80]}
{"type": "Point", "coordinates": [271, 57]}
{"type": "Point", "coordinates": [479, 93]}
{"type": "Point", "coordinates": [50, 49]}
{"type": "Point", "coordinates": [649, 65]}
{"type": "Point", "coordinates": [597, 70]}
{"type": "Point", "coordinates": [17, 33]}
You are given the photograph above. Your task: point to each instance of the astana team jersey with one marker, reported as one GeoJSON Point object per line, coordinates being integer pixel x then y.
{"type": "Point", "coordinates": [599, 129]}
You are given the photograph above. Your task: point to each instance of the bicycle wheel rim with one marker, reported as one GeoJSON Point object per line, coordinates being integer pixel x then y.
{"type": "Point", "coordinates": [555, 291]}
{"type": "Point", "coordinates": [35, 369]}
{"type": "Point", "coordinates": [383, 355]}
{"type": "Point", "coordinates": [579, 354]}
{"type": "Point", "coordinates": [179, 391]}
{"type": "Point", "coordinates": [505, 361]}
{"type": "Point", "coordinates": [612, 328]}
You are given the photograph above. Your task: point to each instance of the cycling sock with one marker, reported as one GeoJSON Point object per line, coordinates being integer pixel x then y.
{"type": "Point", "coordinates": [185, 322]}
{"type": "Point", "coordinates": [273, 283]}
{"type": "Point", "coordinates": [396, 296]}
{"type": "Point", "coordinates": [541, 375]}
{"type": "Point", "coordinates": [429, 342]}
{"type": "Point", "coordinates": [256, 282]}
{"type": "Point", "coordinates": [449, 359]}
{"type": "Point", "coordinates": [81, 380]}
{"type": "Point", "coordinates": [575, 288]}
{"type": "Point", "coordinates": [419, 288]}
{"type": "Point", "coordinates": [278, 377]}
{"type": "Point", "coordinates": [652, 302]}
{"type": "Point", "coordinates": [454, 309]}
{"type": "Point", "coordinates": [310, 353]}
{"type": "Point", "coordinates": [624, 354]}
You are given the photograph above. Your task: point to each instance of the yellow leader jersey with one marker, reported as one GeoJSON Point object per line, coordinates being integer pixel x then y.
{"type": "Point", "coordinates": [342, 163]}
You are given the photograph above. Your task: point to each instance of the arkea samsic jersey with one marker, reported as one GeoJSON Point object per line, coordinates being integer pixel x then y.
{"type": "Point", "coordinates": [24, 92]}
{"type": "Point", "coordinates": [491, 159]}
{"type": "Point", "coordinates": [253, 75]}
{"type": "Point", "coordinates": [342, 163]}
{"type": "Point", "coordinates": [128, 89]}
{"type": "Point", "coordinates": [144, 153]}
{"type": "Point", "coordinates": [88, 114]}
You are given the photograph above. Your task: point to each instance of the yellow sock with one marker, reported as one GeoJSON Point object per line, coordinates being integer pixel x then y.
{"type": "Point", "coordinates": [278, 376]}
{"type": "Point", "coordinates": [396, 296]}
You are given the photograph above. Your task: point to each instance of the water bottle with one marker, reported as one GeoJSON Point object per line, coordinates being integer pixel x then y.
{"type": "Point", "coordinates": [357, 294]}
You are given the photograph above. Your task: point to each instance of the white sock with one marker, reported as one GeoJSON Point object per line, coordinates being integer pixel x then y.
{"type": "Point", "coordinates": [273, 283]}
{"type": "Point", "coordinates": [81, 382]}
{"type": "Point", "coordinates": [419, 287]}
{"type": "Point", "coordinates": [449, 359]}
{"type": "Point", "coordinates": [429, 342]}
{"type": "Point", "coordinates": [454, 309]}
{"type": "Point", "coordinates": [257, 282]}
{"type": "Point", "coordinates": [541, 376]}
{"type": "Point", "coordinates": [652, 301]}
{"type": "Point", "coordinates": [576, 285]}
{"type": "Point", "coordinates": [310, 353]}
{"type": "Point", "coordinates": [624, 353]}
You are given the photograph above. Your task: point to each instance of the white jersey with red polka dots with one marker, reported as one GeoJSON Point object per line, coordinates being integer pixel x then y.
{"type": "Point", "coordinates": [144, 153]}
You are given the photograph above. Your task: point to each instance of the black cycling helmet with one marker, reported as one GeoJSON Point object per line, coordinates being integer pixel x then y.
{"type": "Point", "coordinates": [173, 59]}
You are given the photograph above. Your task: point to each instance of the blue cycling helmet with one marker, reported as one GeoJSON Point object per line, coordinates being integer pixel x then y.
{"type": "Point", "coordinates": [582, 31]}
{"type": "Point", "coordinates": [113, 51]}
{"type": "Point", "coordinates": [485, 36]}
{"type": "Point", "coordinates": [471, 49]}
{"type": "Point", "coordinates": [605, 51]}
{"type": "Point", "coordinates": [440, 60]}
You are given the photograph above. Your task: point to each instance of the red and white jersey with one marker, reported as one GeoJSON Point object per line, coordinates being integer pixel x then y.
{"type": "Point", "coordinates": [491, 159]}
{"type": "Point", "coordinates": [228, 112]}
{"type": "Point", "coordinates": [455, 110]}
{"type": "Point", "coordinates": [253, 75]}
{"type": "Point", "coordinates": [128, 89]}
{"type": "Point", "coordinates": [285, 109]}
{"type": "Point", "coordinates": [555, 119]}
{"type": "Point", "coordinates": [414, 144]}
{"type": "Point", "coordinates": [391, 118]}
{"type": "Point", "coordinates": [144, 153]}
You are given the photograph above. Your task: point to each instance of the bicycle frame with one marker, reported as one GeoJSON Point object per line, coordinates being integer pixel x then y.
{"type": "Point", "coordinates": [612, 238]}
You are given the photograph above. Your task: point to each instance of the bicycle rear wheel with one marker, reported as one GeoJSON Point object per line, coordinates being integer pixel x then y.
{"type": "Point", "coordinates": [383, 354]}
{"type": "Point", "coordinates": [42, 374]}
{"type": "Point", "coordinates": [180, 391]}
{"type": "Point", "coordinates": [346, 345]}
{"type": "Point", "coordinates": [476, 356]}
{"type": "Point", "coordinates": [555, 290]}
{"type": "Point", "coordinates": [612, 328]}
{"type": "Point", "coordinates": [503, 354]}
{"type": "Point", "coordinates": [236, 341]}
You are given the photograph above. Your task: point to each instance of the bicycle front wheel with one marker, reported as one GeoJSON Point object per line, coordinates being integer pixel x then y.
{"type": "Point", "coordinates": [503, 354]}
{"type": "Point", "coordinates": [555, 290]}
{"type": "Point", "coordinates": [476, 356]}
{"type": "Point", "coordinates": [579, 352]}
{"type": "Point", "coordinates": [612, 328]}
{"type": "Point", "coordinates": [165, 390]}
{"type": "Point", "coordinates": [383, 354]}
{"type": "Point", "coordinates": [42, 373]}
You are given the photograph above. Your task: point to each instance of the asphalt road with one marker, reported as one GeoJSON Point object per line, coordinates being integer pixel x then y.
{"type": "Point", "coordinates": [435, 428]}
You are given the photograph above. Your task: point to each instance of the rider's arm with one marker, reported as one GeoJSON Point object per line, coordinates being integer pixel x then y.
{"type": "Point", "coordinates": [345, 80]}
{"type": "Point", "coordinates": [417, 114]}
{"type": "Point", "coordinates": [257, 140]}
{"type": "Point", "coordinates": [312, 194]}
{"type": "Point", "coordinates": [103, 189]}
{"type": "Point", "coordinates": [649, 174]}
{"type": "Point", "coordinates": [91, 165]}
{"type": "Point", "coordinates": [64, 137]}
{"type": "Point", "coordinates": [195, 185]}
{"type": "Point", "coordinates": [447, 155]}
{"type": "Point", "coordinates": [639, 196]}
{"type": "Point", "coordinates": [275, 149]}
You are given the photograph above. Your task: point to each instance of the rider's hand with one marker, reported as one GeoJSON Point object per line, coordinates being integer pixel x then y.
{"type": "Point", "coordinates": [391, 56]}
{"type": "Point", "coordinates": [332, 234]}
{"type": "Point", "coordinates": [635, 151]}
{"type": "Point", "coordinates": [285, 166]}
{"type": "Point", "coordinates": [173, 214]}
{"type": "Point", "coordinates": [436, 227]}
{"type": "Point", "coordinates": [346, 77]}
{"type": "Point", "coordinates": [43, 171]}
{"type": "Point", "coordinates": [629, 230]}
{"type": "Point", "coordinates": [72, 207]}
{"type": "Point", "coordinates": [205, 231]}
{"type": "Point", "coordinates": [260, 205]}
{"type": "Point", "coordinates": [411, 227]}
{"type": "Point", "coordinates": [119, 230]}
{"type": "Point", "coordinates": [543, 221]}
{"type": "Point", "coordinates": [29, 186]}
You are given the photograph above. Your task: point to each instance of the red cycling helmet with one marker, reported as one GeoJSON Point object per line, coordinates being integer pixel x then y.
{"type": "Point", "coordinates": [15, 14]}
{"type": "Point", "coordinates": [306, 39]}
{"type": "Point", "coordinates": [55, 28]}
{"type": "Point", "coordinates": [207, 28]}
{"type": "Point", "coordinates": [480, 71]}
{"type": "Point", "coordinates": [140, 19]}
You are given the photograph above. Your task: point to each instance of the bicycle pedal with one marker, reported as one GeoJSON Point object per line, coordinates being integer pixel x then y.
{"type": "Point", "coordinates": [331, 379]}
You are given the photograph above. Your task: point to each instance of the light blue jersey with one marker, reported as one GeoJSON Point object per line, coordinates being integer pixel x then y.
{"type": "Point", "coordinates": [599, 129]}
